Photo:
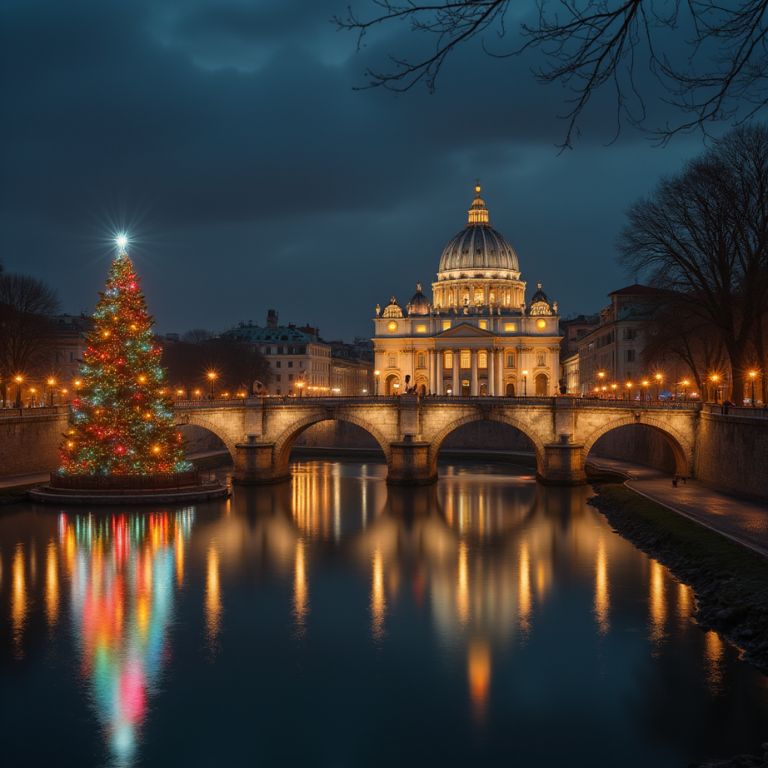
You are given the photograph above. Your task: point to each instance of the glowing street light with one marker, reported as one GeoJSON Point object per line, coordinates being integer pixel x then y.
{"type": "Point", "coordinates": [211, 376]}
{"type": "Point", "coordinates": [525, 383]}
{"type": "Point", "coordinates": [19, 379]}
{"type": "Point", "coordinates": [376, 375]}
{"type": "Point", "coordinates": [51, 382]}
{"type": "Point", "coordinates": [752, 376]}
{"type": "Point", "coordinates": [300, 387]}
{"type": "Point", "coordinates": [659, 378]}
{"type": "Point", "coordinates": [715, 379]}
{"type": "Point", "coordinates": [628, 386]}
{"type": "Point", "coordinates": [685, 384]}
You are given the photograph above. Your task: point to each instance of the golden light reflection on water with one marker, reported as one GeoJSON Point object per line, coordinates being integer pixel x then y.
{"type": "Point", "coordinates": [657, 602]}
{"type": "Point", "coordinates": [51, 584]}
{"type": "Point", "coordinates": [602, 592]}
{"type": "Point", "coordinates": [18, 600]}
{"type": "Point", "coordinates": [714, 661]}
{"type": "Point", "coordinates": [462, 586]}
{"type": "Point", "coordinates": [212, 595]}
{"type": "Point", "coordinates": [378, 596]}
{"type": "Point", "coordinates": [525, 601]}
{"type": "Point", "coordinates": [684, 603]}
{"type": "Point", "coordinates": [479, 675]}
{"type": "Point", "coordinates": [300, 590]}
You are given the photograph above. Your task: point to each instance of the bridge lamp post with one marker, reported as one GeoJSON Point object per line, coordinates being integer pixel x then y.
{"type": "Point", "coordinates": [300, 387]}
{"type": "Point", "coordinates": [51, 382]}
{"type": "Point", "coordinates": [525, 383]}
{"type": "Point", "coordinates": [752, 376]}
{"type": "Point", "coordinates": [628, 385]}
{"type": "Point", "coordinates": [197, 393]}
{"type": "Point", "coordinates": [19, 379]}
{"type": "Point", "coordinates": [715, 379]}
{"type": "Point", "coordinates": [614, 387]}
{"type": "Point", "coordinates": [376, 375]}
{"type": "Point", "coordinates": [396, 387]}
{"type": "Point", "coordinates": [211, 376]}
{"type": "Point", "coordinates": [32, 394]}
{"type": "Point", "coordinates": [659, 378]}
{"type": "Point", "coordinates": [685, 384]}
{"type": "Point", "coordinates": [601, 378]}
{"type": "Point", "coordinates": [645, 384]}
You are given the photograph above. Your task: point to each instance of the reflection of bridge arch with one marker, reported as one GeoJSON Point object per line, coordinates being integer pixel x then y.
{"type": "Point", "coordinates": [681, 448]}
{"type": "Point", "coordinates": [285, 442]}
{"type": "Point", "coordinates": [437, 440]}
{"type": "Point", "coordinates": [193, 420]}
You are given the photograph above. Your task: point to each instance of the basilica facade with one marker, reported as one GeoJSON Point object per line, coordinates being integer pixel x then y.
{"type": "Point", "coordinates": [477, 336]}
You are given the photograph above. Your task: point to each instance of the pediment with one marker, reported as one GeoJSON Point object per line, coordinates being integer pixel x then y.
{"type": "Point", "coordinates": [464, 330]}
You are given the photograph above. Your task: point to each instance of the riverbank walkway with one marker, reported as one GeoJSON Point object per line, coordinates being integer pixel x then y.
{"type": "Point", "coordinates": [742, 520]}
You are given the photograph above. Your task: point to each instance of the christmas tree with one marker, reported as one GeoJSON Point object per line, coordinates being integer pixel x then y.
{"type": "Point", "coordinates": [122, 421]}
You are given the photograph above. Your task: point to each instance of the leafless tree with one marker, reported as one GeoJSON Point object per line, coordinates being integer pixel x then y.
{"type": "Point", "coordinates": [704, 235]}
{"type": "Point", "coordinates": [709, 57]}
{"type": "Point", "coordinates": [26, 305]}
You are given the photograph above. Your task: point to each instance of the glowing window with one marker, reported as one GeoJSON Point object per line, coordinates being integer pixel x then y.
{"type": "Point", "coordinates": [421, 328]}
{"type": "Point", "coordinates": [510, 327]}
{"type": "Point", "coordinates": [478, 295]}
{"type": "Point", "coordinates": [464, 358]}
{"type": "Point", "coordinates": [391, 326]}
{"type": "Point", "coordinates": [482, 359]}
{"type": "Point", "coordinates": [446, 324]}
{"type": "Point", "coordinates": [448, 359]}
{"type": "Point", "coordinates": [421, 360]}
{"type": "Point", "coordinates": [483, 324]}
{"type": "Point", "coordinates": [541, 324]}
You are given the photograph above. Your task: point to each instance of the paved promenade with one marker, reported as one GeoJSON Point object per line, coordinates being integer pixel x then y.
{"type": "Point", "coordinates": [744, 521]}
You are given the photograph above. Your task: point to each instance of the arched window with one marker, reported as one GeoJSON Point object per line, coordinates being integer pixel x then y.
{"type": "Point", "coordinates": [542, 386]}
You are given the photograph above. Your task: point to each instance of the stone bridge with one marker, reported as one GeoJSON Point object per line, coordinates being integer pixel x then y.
{"type": "Point", "coordinates": [260, 433]}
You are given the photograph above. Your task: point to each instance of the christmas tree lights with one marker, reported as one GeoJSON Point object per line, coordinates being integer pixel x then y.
{"type": "Point", "coordinates": [122, 420]}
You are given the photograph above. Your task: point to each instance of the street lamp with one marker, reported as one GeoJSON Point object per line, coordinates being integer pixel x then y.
{"type": "Point", "coordinates": [614, 387]}
{"type": "Point", "coordinates": [51, 382]}
{"type": "Point", "coordinates": [752, 376]}
{"type": "Point", "coordinates": [300, 387]}
{"type": "Point", "coordinates": [32, 393]}
{"type": "Point", "coordinates": [645, 384]}
{"type": "Point", "coordinates": [376, 375]}
{"type": "Point", "coordinates": [19, 379]}
{"type": "Point", "coordinates": [525, 383]}
{"type": "Point", "coordinates": [715, 379]}
{"type": "Point", "coordinates": [685, 384]}
{"type": "Point", "coordinates": [211, 376]}
{"type": "Point", "coordinates": [659, 378]}
{"type": "Point", "coordinates": [628, 385]}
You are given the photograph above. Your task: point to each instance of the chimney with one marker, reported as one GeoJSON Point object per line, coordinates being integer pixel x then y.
{"type": "Point", "coordinates": [271, 318]}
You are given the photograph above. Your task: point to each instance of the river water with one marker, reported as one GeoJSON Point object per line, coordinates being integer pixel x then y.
{"type": "Point", "coordinates": [332, 621]}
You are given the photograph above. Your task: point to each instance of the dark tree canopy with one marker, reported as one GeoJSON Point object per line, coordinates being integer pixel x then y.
{"type": "Point", "coordinates": [237, 364]}
{"type": "Point", "coordinates": [26, 305]}
{"type": "Point", "coordinates": [703, 236]}
{"type": "Point", "coordinates": [709, 58]}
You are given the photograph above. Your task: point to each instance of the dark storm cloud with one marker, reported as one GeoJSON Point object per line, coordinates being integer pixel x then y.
{"type": "Point", "coordinates": [259, 177]}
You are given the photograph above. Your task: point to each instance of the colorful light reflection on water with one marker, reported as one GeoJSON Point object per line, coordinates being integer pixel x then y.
{"type": "Point", "coordinates": [123, 572]}
{"type": "Point", "coordinates": [333, 620]}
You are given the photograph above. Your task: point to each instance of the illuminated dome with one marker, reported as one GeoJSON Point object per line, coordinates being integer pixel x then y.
{"type": "Point", "coordinates": [419, 304]}
{"type": "Point", "coordinates": [478, 250]}
{"type": "Point", "coordinates": [540, 304]}
{"type": "Point", "coordinates": [392, 309]}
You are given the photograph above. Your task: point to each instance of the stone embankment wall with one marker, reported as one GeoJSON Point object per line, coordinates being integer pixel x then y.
{"type": "Point", "coordinates": [30, 440]}
{"type": "Point", "coordinates": [732, 454]}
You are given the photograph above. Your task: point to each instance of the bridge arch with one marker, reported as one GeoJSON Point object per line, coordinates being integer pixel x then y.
{"type": "Point", "coordinates": [284, 443]}
{"type": "Point", "coordinates": [682, 450]}
{"type": "Point", "coordinates": [192, 420]}
{"type": "Point", "coordinates": [437, 440]}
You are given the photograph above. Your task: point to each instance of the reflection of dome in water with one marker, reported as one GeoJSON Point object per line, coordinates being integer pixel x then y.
{"type": "Point", "coordinates": [478, 246]}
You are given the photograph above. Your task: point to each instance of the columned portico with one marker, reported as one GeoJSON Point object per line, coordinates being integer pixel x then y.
{"type": "Point", "coordinates": [473, 385]}
{"type": "Point", "coordinates": [491, 369]}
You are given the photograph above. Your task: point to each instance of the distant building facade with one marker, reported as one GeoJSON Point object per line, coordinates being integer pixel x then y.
{"type": "Point", "coordinates": [476, 336]}
{"type": "Point", "coordinates": [612, 352]}
{"type": "Point", "coordinates": [301, 363]}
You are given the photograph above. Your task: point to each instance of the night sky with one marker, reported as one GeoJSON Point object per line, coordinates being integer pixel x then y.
{"type": "Point", "coordinates": [228, 139]}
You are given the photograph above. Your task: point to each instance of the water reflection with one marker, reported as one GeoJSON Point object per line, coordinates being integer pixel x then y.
{"type": "Point", "coordinates": [121, 570]}
{"type": "Point", "coordinates": [487, 598]}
